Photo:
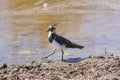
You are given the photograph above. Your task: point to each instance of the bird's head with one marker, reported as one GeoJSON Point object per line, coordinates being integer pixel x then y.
{"type": "Point", "coordinates": [52, 28]}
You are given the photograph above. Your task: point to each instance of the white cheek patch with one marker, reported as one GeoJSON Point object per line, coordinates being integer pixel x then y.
{"type": "Point", "coordinates": [49, 34]}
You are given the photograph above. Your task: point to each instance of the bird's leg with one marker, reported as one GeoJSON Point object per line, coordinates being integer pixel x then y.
{"type": "Point", "coordinates": [62, 54]}
{"type": "Point", "coordinates": [50, 54]}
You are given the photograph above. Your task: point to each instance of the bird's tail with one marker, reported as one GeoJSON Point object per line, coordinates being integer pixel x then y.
{"type": "Point", "coordinates": [74, 45]}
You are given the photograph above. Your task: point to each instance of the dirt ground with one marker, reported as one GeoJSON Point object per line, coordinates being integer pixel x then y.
{"type": "Point", "coordinates": [89, 69]}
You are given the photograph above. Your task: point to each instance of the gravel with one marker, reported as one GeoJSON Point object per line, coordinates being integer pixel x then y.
{"type": "Point", "coordinates": [89, 69]}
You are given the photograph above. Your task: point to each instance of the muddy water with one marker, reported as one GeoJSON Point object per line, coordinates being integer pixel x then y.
{"type": "Point", "coordinates": [23, 35]}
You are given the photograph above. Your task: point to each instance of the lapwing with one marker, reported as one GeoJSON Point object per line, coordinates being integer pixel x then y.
{"type": "Point", "coordinates": [59, 42]}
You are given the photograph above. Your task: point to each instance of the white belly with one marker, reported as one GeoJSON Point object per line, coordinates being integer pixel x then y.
{"type": "Point", "coordinates": [57, 45]}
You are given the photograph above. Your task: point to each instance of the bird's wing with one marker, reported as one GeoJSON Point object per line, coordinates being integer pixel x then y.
{"type": "Point", "coordinates": [61, 40]}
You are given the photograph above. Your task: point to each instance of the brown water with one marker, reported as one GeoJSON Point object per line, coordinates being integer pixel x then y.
{"type": "Point", "coordinates": [23, 26]}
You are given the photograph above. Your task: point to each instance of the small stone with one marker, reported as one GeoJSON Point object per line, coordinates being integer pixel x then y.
{"type": "Point", "coordinates": [115, 79]}
{"type": "Point", "coordinates": [42, 74]}
{"type": "Point", "coordinates": [3, 66]}
{"type": "Point", "coordinates": [70, 64]}
{"type": "Point", "coordinates": [5, 71]}
{"type": "Point", "coordinates": [101, 57]}
{"type": "Point", "coordinates": [91, 56]}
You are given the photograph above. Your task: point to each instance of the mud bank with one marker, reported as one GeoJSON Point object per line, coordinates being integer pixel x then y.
{"type": "Point", "coordinates": [89, 69]}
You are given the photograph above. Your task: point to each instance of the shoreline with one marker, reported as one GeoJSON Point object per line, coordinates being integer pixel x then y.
{"type": "Point", "coordinates": [94, 68]}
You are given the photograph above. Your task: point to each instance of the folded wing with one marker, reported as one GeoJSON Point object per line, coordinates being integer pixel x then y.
{"type": "Point", "coordinates": [63, 41]}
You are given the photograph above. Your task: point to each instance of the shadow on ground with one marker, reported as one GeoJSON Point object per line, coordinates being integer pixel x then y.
{"type": "Point", "coordinates": [74, 60]}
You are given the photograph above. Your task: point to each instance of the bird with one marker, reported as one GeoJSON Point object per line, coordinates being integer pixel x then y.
{"type": "Point", "coordinates": [59, 42]}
